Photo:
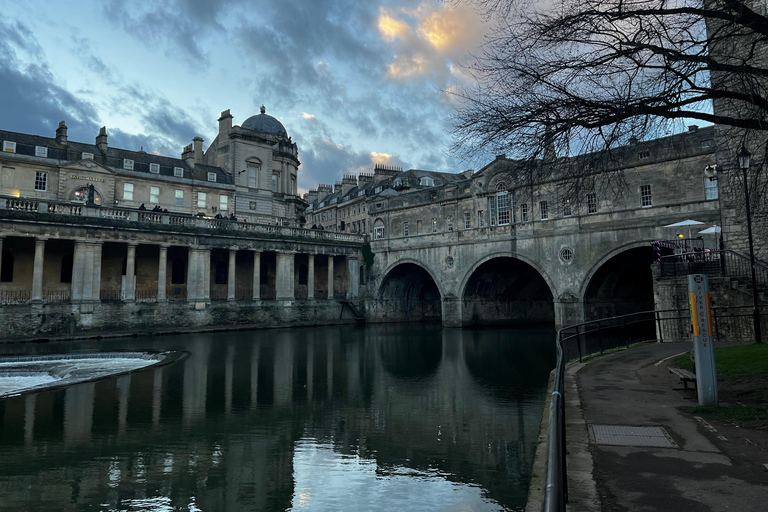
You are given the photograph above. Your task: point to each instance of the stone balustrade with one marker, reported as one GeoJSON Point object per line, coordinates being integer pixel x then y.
{"type": "Point", "coordinates": [172, 219]}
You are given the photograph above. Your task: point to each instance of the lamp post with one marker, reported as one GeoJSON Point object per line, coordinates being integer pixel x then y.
{"type": "Point", "coordinates": [744, 158]}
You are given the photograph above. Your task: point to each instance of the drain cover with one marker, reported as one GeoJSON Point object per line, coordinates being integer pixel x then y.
{"type": "Point", "coordinates": [625, 435]}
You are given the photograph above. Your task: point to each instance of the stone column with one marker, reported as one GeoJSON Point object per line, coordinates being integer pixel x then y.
{"type": "Point", "coordinates": [130, 273]}
{"type": "Point", "coordinates": [231, 276]}
{"type": "Point", "coordinates": [37, 271]}
{"type": "Point", "coordinates": [162, 269]}
{"type": "Point", "coordinates": [353, 267]}
{"type": "Point", "coordinates": [78, 269]}
{"type": "Point", "coordinates": [96, 272]}
{"type": "Point", "coordinates": [256, 275]}
{"type": "Point", "coordinates": [330, 277]}
{"type": "Point", "coordinates": [87, 272]}
{"type": "Point", "coordinates": [206, 273]}
{"type": "Point", "coordinates": [285, 276]}
{"type": "Point", "coordinates": [311, 277]}
{"type": "Point", "coordinates": [452, 311]}
{"type": "Point", "coordinates": [192, 274]}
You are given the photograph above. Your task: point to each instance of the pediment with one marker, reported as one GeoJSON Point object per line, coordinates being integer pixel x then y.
{"type": "Point", "coordinates": [88, 165]}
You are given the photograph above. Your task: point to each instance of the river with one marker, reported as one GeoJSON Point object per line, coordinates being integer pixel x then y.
{"type": "Point", "coordinates": [377, 418]}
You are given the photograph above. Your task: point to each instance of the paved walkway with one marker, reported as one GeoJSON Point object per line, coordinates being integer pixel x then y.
{"type": "Point", "coordinates": [706, 472]}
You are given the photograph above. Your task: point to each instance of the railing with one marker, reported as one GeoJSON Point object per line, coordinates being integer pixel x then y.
{"type": "Point", "coordinates": [146, 296]}
{"type": "Point", "coordinates": [111, 295]}
{"type": "Point", "coordinates": [57, 296]}
{"type": "Point", "coordinates": [14, 297]}
{"type": "Point", "coordinates": [724, 263]}
{"type": "Point", "coordinates": [171, 219]}
{"type": "Point", "coordinates": [589, 338]}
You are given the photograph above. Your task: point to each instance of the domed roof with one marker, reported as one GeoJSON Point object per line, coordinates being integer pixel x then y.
{"type": "Point", "coordinates": [265, 123]}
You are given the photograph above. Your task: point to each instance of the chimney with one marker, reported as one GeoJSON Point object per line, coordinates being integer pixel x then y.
{"type": "Point", "coordinates": [693, 128]}
{"type": "Point", "coordinates": [338, 186]}
{"type": "Point", "coordinates": [101, 140]}
{"type": "Point", "coordinates": [225, 121]}
{"type": "Point", "coordinates": [385, 171]}
{"type": "Point", "coordinates": [348, 182]}
{"type": "Point", "coordinates": [312, 195]}
{"type": "Point", "coordinates": [197, 142]}
{"type": "Point", "coordinates": [363, 178]}
{"type": "Point", "coordinates": [61, 134]}
{"type": "Point", "coordinates": [550, 152]}
{"type": "Point", "coordinates": [188, 155]}
{"type": "Point", "coordinates": [324, 190]}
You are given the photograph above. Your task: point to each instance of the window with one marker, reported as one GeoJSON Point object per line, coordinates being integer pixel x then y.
{"type": "Point", "coordinates": [427, 182]}
{"type": "Point", "coordinates": [645, 196]}
{"type": "Point", "coordinates": [363, 207]}
{"type": "Point", "coordinates": [707, 143]}
{"type": "Point", "coordinates": [154, 168]}
{"type": "Point", "coordinates": [467, 220]}
{"type": "Point", "coordinates": [567, 211]}
{"type": "Point", "coordinates": [591, 203]}
{"type": "Point", "coordinates": [127, 164]}
{"type": "Point", "coordinates": [405, 229]}
{"type": "Point", "coordinates": [41, 151]}
{"type": "Point", "coordinates": [378, 232]}
{"type": "Point", "coordinates": [398, 182]}
{"type": "Point", "coordinates": [41, 181]}
{"type": "Point", "coordinates": [253, 174]}
{"type": "Point", "coordinates": [513, 207]}
{"type": "Point", "coordinates": [293, 185]}
{"type": "Point", "coordinates": [544, 210]}
{"type": "Point", "coordinates": [274, 183]}
{"type": "Point", "coordinates": [178, 172]}
{"type": "Point", "coordinates": [481, 218]}
{"type": "Point", "coordinates": [449, 223]}
{"type": "Point", "coordinates": [524, 212]}
{"type": "Point", "coordinates": [9, 147]}
{"type": "Point", "coordinates": [87, 156]}
{"type": "Point", "coordinates": [492, 210]}
{"type": "Point", "coordinates": [179, 197]}
{"type": "Point", "coordinates": [127, 191]}
{"type": "Point", "coordinates": [360, 193]}
{"type": "Point", "coordinates": [434, 224]}
{"type": "Point", "coordinates": [201, 199]}
{"type": "Point", "coordinates": [212, 177]}
{"type": "Point", "coordinates": [643, 155]}
{"type": "Point", "coordinates": [502, 205]}
{"type": "Point", "coordinates": [710, 187]}
{"type": "Point", "coordinates": [378, 189]}
{"type": "Point", "coordinates": [154, 195]}
{"type": "Point", "coordinates": [223, 203]}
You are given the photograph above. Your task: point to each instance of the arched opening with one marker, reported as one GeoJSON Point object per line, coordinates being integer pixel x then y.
{"type": "Point", "coordinates": [506, 290]}
{"type": "Point", "coordinates": [622, 285]}
{"type": "Point", "coordinates": [408, 293]}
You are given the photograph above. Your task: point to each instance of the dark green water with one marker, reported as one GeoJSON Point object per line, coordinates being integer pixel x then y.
{"type": "Point", "coordinates": [381, 418]}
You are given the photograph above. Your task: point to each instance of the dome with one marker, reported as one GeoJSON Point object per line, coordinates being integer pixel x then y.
{"type": "Point", "coordinates": [264, 123]}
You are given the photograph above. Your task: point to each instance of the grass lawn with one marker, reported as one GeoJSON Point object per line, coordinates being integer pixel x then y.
{"type": "Point", "coordinates": [742, 384]}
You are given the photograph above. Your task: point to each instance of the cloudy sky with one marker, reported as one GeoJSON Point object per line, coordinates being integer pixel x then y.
{"type": "Point", "coordinates": [354, 82]}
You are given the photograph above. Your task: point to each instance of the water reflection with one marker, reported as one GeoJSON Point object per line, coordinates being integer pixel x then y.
{"type": "Point", "coordinates": [376, 418]}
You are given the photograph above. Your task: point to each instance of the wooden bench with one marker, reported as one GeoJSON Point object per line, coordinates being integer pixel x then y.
{"type": "Point", "coordinates": [684, 375]}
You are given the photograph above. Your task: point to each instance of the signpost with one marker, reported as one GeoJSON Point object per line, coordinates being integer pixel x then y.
{"type": "Point", "coordinates": [703, 346]}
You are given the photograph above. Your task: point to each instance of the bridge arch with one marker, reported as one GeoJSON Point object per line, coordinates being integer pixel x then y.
{"type": "Point", "coordinates": [620, 282]}
{"type": "Point", "coordinates": [506, 287]}
{"type": "Point", "coordinates": [409, 290]}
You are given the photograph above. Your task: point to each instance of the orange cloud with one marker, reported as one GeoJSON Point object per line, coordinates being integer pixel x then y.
{"type": "Point", "coordinates": [380, 158]}
{"type": "Point", "coordinates": [392, 29]}
{"type": "Point", "coordinates": [406, 66]}
{"type": "Point", "coordinates": [451, 28]}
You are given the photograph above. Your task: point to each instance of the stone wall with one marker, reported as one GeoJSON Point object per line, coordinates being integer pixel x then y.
{"type": "Point", "coordinates": [47, 321]}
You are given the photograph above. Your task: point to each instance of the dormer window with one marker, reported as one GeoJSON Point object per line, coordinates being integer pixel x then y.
{"type": "Point", "coordinates": [127, 164]}
{"type": "Point", "coordinates": [9, 147]}
{"type": "Point", "coordinates": [707, 143]}
{"type": "Point", "coordinates": [178, 172]}
{"type": "Point", "coordinates": [212, 177]}
{"type": "Point", "coordinates": [321, 204]}
{"type": "Point", "coordinates": [334, 200]}
{"type": "Point", "coordinates": [378, 189]}
{"type": "Point", "coordinates": [41, 151]}
{"type": "Point", "coordinates": [86, 156]}
{"type": "Point", "coordinates": [398, 182]}
{"type": "Point", "coordinates": [361, 193]}
{"type": "Point", "coordinates": [154, 168]}
{"type": "Point", "coordinates": [427, 182]}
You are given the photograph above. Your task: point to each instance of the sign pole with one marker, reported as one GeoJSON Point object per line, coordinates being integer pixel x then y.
{"type": "Point", "coordinates": [703, 336]}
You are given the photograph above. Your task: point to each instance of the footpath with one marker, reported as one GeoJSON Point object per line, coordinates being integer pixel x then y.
{"type": "Point", "coordinates": [702, 467]}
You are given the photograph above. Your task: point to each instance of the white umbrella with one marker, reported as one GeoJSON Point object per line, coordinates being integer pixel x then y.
{"type": "Point", "coordinates": [710, 231]}
{"type": "Point", "coordinates": [685, 223]}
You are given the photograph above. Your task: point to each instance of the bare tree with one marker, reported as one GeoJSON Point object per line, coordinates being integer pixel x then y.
{"type": "Point", "coordinates": [586, 75]}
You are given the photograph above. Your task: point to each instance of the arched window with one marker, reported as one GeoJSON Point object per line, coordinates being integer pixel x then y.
{"type": "Point", "coordinates": [178, 271]}
{"type": "Point", "coordinates": [66, 269]}
{"type": "Point", "coordinates": [6, 271]}
{"type": "Point", "coordinates": [378, 229]}
{"type": "Point", "coordinates": [502, 204]}
{"type": "Point", "coordinates": [221, 272]}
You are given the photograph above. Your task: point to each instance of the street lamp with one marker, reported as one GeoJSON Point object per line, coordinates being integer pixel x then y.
{"type": "Point", "coordinates": [744, 158]}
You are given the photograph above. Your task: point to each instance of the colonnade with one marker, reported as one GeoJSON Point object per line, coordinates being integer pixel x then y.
{"type": "Point", "coordinates": [87, 259]}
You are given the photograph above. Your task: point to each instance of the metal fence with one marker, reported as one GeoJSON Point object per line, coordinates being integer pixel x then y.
{"type": "Point", "coordinates": [714, 263]}
{"type": "Point", "coordinates": [14, 297]}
